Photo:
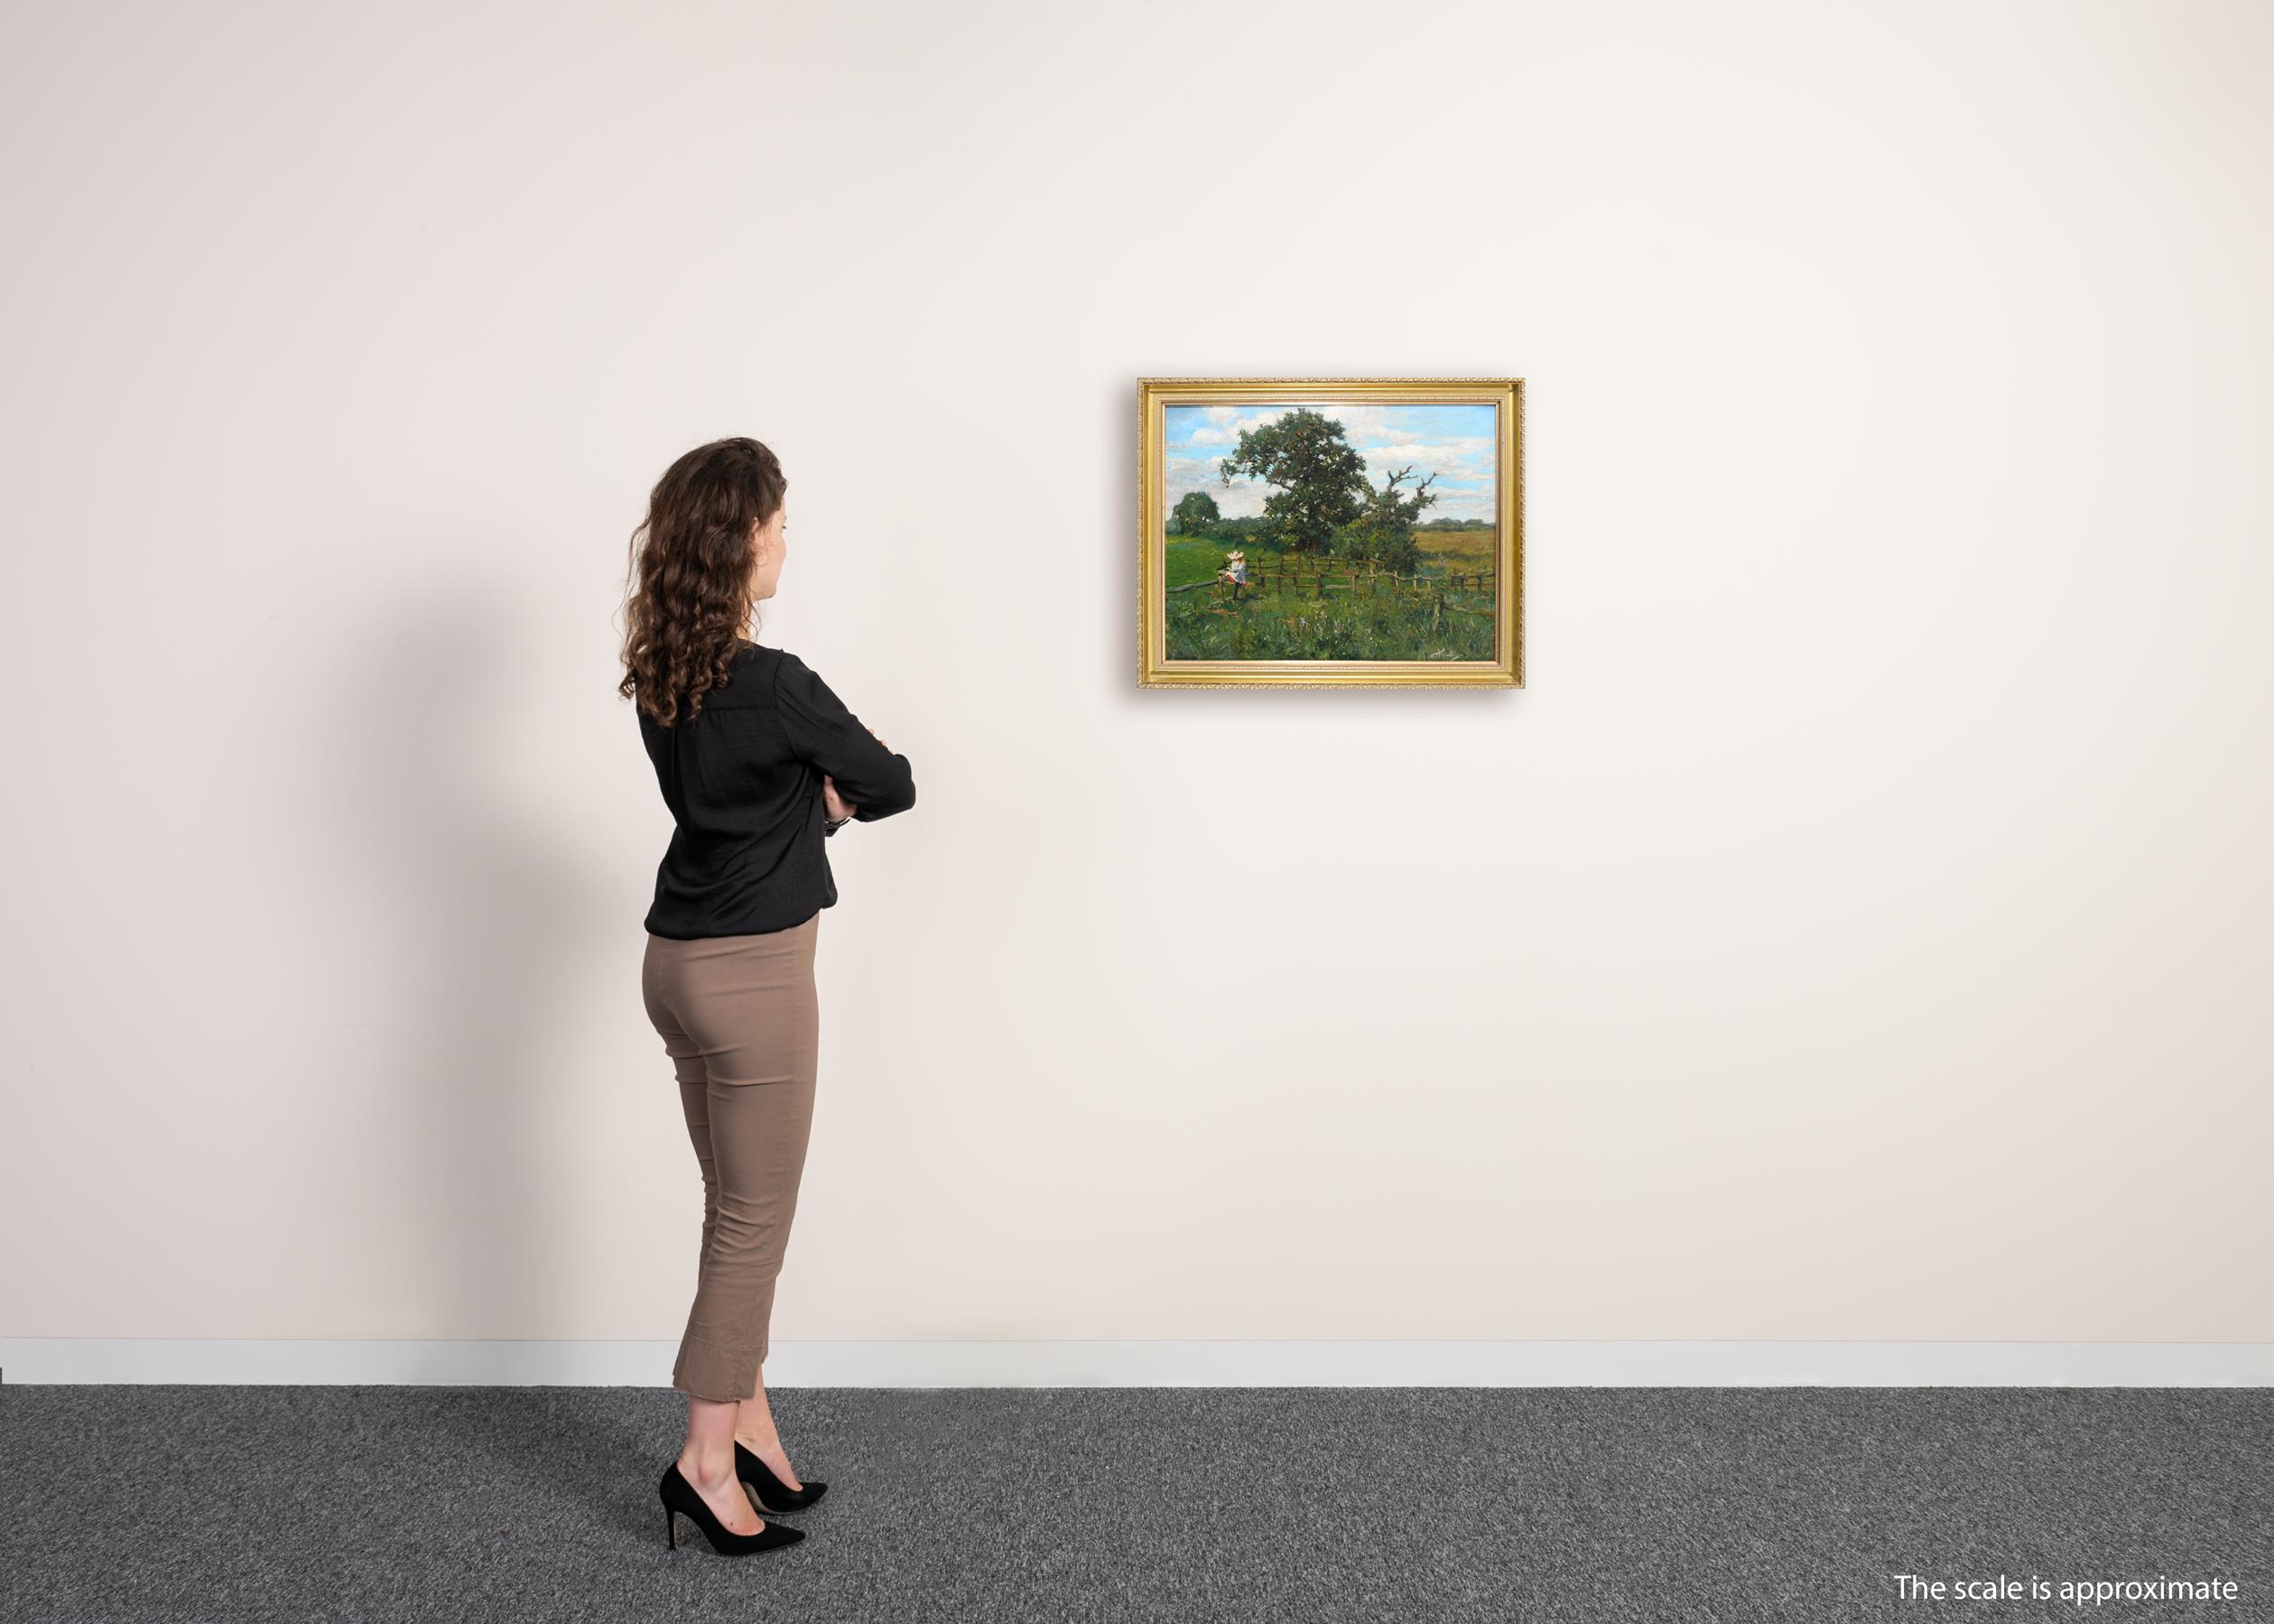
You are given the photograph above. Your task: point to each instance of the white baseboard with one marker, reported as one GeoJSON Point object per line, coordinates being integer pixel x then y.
{"type": "Point", "coordinates": [33, 1360]}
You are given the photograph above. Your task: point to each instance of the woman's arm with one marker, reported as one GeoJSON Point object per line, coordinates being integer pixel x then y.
{"type": "Point", "coordinates": [873, 780]}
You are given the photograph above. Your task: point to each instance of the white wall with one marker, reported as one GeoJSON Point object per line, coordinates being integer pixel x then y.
{"type": "Point", "coordinates": [1857, 929]}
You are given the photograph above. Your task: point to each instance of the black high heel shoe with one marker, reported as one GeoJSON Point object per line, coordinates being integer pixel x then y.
{"type": "Point", "coordinates": [681, 1499]}
{"type": "Point", "coordinates": [771, 1492]}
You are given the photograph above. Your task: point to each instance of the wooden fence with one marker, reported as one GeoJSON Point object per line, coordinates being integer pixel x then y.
{"type": "Point", "coordinates": [1318, 583]}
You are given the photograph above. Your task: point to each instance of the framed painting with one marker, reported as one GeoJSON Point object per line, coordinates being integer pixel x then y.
{"type": "Point", "coordinates": [1331, 533]}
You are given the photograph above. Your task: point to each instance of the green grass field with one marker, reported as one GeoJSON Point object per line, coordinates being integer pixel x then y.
{"type": "Point", "coordinates": [1270, 623]}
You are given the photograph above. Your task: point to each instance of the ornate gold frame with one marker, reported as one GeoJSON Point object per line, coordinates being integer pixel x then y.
{"type": "Point", "coordinates": [1156, 670]}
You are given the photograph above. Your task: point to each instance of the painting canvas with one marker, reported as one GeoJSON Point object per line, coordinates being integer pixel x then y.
{"type": "Point", "coordinates": [1301, 532]}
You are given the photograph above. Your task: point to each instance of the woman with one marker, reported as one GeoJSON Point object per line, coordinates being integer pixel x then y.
{"type": "Point", "coordinates": [759, 763]}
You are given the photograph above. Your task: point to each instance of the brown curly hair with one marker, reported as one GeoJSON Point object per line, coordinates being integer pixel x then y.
{"type": "Point", "coordinates": [690, 560]}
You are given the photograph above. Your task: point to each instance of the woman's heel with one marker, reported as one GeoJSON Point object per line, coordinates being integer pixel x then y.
{"type": "Point", "coordinates": [773, 1494]}
{"type": "Point", "coordinates": [681, 1499]}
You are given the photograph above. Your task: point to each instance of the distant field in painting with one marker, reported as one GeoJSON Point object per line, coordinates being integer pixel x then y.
{"type": "Point", "coordinates": [1297, 607]}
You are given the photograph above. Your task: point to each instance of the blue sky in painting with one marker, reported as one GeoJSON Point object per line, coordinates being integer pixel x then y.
{"type": "Point", "coordinates": [1456, 442]}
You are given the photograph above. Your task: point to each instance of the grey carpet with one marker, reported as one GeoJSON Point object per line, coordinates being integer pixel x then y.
{"type": "Point", "coordinates": [404, 1503]}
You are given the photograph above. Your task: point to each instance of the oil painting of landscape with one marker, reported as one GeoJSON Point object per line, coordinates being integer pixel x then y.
{"type": "Point", "coordinates": [1307, 533]}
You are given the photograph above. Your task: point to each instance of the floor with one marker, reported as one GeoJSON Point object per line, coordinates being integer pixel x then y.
{"type": "Point", "coordinates": [1595, 1504]}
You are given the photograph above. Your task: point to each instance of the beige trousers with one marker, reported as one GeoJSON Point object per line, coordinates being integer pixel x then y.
{"type": "Point", "coordinates": [741, 1023]}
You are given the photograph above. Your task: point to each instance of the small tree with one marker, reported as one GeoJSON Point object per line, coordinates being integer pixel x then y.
{"type": "Point", "coordinates": [1194, 514]}
{"type": "Point", "coordinates": [1384, 532]}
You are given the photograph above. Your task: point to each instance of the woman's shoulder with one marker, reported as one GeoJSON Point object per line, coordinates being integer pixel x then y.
{"type": "Point", "coordinates": [765, 660]}
{"type": "Point", "coordinates": [758, 670]}
{"type": "Point", "coordinates": [750, 677]}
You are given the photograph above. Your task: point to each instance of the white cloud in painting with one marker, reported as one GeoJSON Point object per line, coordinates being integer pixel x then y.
{"type": "Point", "coordinates": [1241, 499]}
{"type": "Point", "coordinates": [1226, 429]}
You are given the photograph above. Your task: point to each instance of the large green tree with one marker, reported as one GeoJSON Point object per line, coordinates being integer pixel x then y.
{"type": "Point", "coordinates": [1195, 511]}
{"type": "Point", "coordinates": [1319, 475]}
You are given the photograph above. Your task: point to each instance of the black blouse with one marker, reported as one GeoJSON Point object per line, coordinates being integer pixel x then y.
{"type": "Point", "coordinates": [743, 780]}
